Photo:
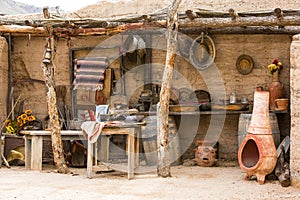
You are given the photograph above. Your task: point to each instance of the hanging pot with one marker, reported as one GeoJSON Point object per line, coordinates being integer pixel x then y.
{"type": "Point", "coordinates": [134, 47]}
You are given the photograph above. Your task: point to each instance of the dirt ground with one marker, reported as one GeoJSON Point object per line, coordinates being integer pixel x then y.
{"type": "Point", "coordinates": [192, 182]}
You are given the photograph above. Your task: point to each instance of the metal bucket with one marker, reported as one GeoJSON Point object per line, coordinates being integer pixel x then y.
{"type": "Point", "coordinates": [244, 122]}
{"type": "Point", "coordinates": [149, 138]}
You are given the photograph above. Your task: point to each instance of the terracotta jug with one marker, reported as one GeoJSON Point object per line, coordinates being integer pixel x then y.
{"type": "Point", "coordinates": [276, 90]}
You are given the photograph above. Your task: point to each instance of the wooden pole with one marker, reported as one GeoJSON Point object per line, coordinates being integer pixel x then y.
{"type": "Point", "coordinates": [48, 69]}
{"type": "Point", "coordinates": [163, 168]}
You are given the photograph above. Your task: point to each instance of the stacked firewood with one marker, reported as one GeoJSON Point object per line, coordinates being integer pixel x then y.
{"type": "Point", "coordinates": [282, 169]}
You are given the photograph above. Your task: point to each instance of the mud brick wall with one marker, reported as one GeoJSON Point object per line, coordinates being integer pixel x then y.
{"type": "Point", "coordinates": [28, 52]}
{"type": "Point", "coordinates": [3, 77]}
{"type": "Point", "coordinates": [263, 49]}
{"type": "Point", "coordinates": [295, 111]}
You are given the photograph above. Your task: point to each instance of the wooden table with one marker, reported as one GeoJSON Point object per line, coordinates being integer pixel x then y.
{"type": "Point", "coordinates": [131, 130]}
{"type": "Point", "coordinates": [34, 145]}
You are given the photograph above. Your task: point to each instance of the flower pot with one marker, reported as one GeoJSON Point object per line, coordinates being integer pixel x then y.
{"type": "Point", "coordinates": [282, 104]}
{"type": "Point", "coordinates": [276, 90]}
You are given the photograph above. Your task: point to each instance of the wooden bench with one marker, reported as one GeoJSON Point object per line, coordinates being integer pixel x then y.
{"type": "Point", "coordinates": [34, 145]}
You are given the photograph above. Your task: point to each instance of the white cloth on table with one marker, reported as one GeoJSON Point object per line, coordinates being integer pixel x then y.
{"type": "Point", "coordinates": [92, 129]}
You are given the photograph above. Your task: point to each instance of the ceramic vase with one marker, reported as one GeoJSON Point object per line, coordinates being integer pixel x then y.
{"type": "Point", "coordinates": [276, 90]}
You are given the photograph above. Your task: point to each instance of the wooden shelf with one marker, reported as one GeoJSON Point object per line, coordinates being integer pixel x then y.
{"type": "Point", "coordinates": [214, 112]}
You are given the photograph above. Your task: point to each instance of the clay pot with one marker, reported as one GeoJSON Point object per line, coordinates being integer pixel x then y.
{"type": "Point", "coordinates": [282, 104]}
{"type": "Point", "coordinates": [276, 90]}
{"type": "Point", "coordinates": [257, 154]}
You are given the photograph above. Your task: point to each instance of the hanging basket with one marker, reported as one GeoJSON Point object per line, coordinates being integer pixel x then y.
{"type": "Point", "coordinates": [202, 52]}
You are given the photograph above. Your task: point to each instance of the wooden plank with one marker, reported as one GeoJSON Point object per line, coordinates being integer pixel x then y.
{"type": "Point", "coordinates": [44, 132]}
{"type": "Point", "coordinates": [65, 137]}
{"type": "Point", "coordinates": [36, 157]}
{"type": "Point", "coordinates": [107, 83]}
{"type": "Point", "coordinates": [116, 131]}
{"type": "Point", "coordinates": [285, 143]}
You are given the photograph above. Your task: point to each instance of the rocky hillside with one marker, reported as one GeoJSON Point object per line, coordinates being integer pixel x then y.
{"type": "Point", "coordinates": [110, 8]}
{"type": "Point", "coordinates": [10, 7]}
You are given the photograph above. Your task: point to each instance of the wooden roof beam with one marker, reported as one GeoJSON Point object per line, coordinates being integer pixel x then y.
{"type": "Point", "coordinates": [240, 21]}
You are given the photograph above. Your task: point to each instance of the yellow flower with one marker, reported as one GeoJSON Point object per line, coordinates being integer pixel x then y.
{"type": "Point", "coordinates": [28, 112]}
{"type": "Point", "coordinates": [31, 118]}
{"type": "Point", "coordinates": [24, 121]}
{"type": "Point", "coordinates": [24, 116]}
{"type": "Point", "coordinates": [10, 129]}
{"type": "Point", "coordinates": [13, 127]}
{"type": "Point", "coordinates": [272, 68]}
{"type": "Point", "coordinates": [7, 122]}
{"type": "Point", "coordinates": [19, 119]}
{"type": "Point", "coordinates": [275, 66]}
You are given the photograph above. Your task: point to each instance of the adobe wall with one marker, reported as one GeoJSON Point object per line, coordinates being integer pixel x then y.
{"type": "Point", "coordinates": [263, 49]}
{"type": "Point", "coordinates": [3, 78]}
{"type": "Point", "coordinates": [295, 112]}
{"type": "Point", "coordinates": [27, 56]}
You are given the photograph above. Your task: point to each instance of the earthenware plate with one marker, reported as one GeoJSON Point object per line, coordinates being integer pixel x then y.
{"type": "Point", "coordinates": [244, 64]}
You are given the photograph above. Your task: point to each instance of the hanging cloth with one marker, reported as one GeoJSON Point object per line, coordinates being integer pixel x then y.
{"type": "Point", "coordinates": [89, 73]}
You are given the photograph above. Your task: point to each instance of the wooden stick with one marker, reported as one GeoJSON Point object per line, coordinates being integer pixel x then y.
{"type": "Point", "coordinates": [5, 161]}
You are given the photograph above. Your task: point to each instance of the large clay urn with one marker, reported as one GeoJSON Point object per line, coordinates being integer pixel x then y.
{"type": "Point", "coordinates": [276, 90]}
{"type": "Point", "coordinates": [257, 153]}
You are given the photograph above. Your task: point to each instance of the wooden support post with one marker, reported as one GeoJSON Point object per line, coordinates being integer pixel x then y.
{"type": "Point", "coordinates": [48, 69]}
{"type": "Point", "coordinates": [163, 168]}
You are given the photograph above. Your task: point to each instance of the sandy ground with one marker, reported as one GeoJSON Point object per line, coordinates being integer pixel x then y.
{"type": "Point", "coordinates": [191, 182]}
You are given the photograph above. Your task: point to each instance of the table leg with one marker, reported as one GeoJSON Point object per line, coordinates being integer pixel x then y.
{"type": "Point", "coordinates": [137, 147]}
{"type": "Point", "coordinates": [131, 160]}
{"type": "Point", "coordinates": [36, 152]}
{"type": "Point", "coordinates": [90, 155]}
{"type": "Point", "coordinates": [27, 152]}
